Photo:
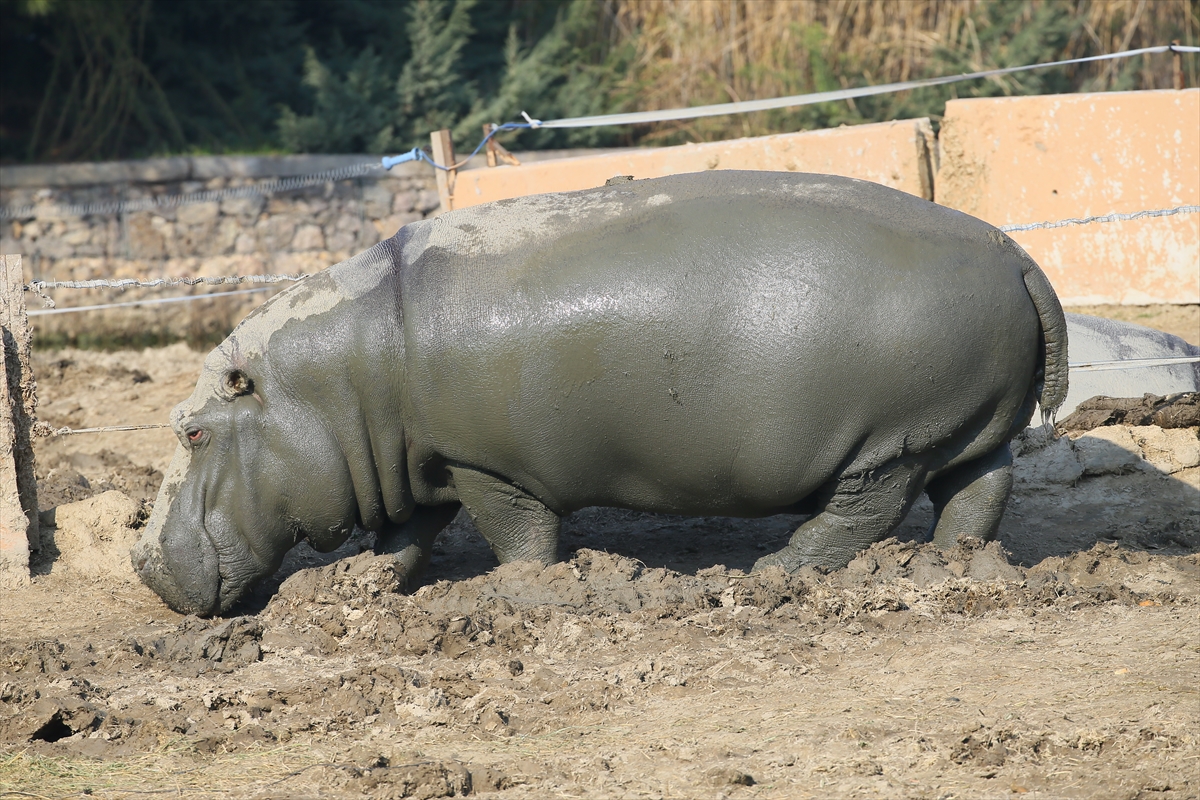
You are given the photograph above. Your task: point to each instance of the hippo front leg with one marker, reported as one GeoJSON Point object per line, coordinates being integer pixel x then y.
{"type": "Point", "coordinates": [412, 541]}
{"type": "Point", "coordinates": [517, 525]}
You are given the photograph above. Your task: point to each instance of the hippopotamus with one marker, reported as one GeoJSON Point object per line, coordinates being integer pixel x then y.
{"type": "Point", "coordinates": [727, 343]}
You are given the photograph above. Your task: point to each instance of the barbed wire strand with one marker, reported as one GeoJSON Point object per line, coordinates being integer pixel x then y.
{"type": "Point", "coordinates": [38, 288]}
{"type": "Point", "coordinates": [45, 429]}
{"type": "Point", "coordinates": [147, 302]}
{"type": "Point", "coordinates": [632, 118]}
{"type": "Point", "coordinates": [1062, 223]}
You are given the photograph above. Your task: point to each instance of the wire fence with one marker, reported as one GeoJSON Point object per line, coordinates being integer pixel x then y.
{"type": "Point", "coordinates": [39, 288]}
{"type": "Point", "coordinates": [603, 120]}
{"type": "Point", "coordinates": [1062, 223]}
{"type": "Point", "coordinates": [146, 302]}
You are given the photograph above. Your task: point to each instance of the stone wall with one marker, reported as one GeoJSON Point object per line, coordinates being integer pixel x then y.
{"type": "Point", "coordinates": [303, 230]}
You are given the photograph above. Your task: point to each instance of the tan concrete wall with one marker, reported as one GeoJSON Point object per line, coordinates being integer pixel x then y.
{"type": "Point", "coordinates": [1029, 159]}
{"type": "Point", "coordinates": [896, 154]}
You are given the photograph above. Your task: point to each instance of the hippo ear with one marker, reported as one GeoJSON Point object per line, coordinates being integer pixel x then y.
{"type": "Point", "coordinates": [235, 383]}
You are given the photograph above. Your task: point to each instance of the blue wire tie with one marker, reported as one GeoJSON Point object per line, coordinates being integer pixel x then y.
{"type": "Point", "coordinates": [412, 155]}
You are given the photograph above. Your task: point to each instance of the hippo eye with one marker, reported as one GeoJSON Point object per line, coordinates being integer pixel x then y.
{"type": "Point", "coordinates": [194, 435]}
{"type": "Point", "coordinates": [236, 383]}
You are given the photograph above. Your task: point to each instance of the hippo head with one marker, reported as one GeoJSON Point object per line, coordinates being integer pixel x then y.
{"type": "Point", "coordinates": [258, 468]}
{"type": "Point", "coordinates": [254, 474]}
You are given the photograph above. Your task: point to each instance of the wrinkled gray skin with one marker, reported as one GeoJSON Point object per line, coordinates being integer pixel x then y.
{"type": "Point", "coordinates": [722, 343]}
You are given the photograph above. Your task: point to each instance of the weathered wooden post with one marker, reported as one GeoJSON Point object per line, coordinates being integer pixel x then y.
{"type": "Point", "coordinates": [19, 533]}
{"type": "Point", "coordinates": [495, 151]}
{"type": "Point", "coordinates": [443, 153]}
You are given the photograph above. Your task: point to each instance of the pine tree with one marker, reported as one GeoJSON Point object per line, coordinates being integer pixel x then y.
{"type": "Point", "coordinates": [352, 113]}
{"type": "Point", "coordinates": [431, 91]}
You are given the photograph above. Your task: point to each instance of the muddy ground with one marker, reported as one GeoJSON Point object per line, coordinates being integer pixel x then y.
{"type": "Point", "coordinates": [1060, 662]}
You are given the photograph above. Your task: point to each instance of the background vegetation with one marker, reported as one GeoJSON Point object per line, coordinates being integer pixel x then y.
{"type": "Point", "coordinates": [101, 79]}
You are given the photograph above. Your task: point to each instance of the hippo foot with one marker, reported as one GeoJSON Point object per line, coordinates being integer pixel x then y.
{"type": "Point", "coordinates": [789, 558]}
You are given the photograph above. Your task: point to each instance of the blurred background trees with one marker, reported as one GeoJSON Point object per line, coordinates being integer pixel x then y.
{"type": "Point", "coordinates": [101, 79]}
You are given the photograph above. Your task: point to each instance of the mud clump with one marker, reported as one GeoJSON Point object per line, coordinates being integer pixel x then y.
{"type": "Point", "coordinates": [355, 603]}
{"type": "Point", "coordinates": [92, 537]}
{"type": "Point", "coordinates": [1173, 411]}
{"type": "Point", "coordinates": [69, 478]}
{"type": "Point", "coordinates": [202, 644]}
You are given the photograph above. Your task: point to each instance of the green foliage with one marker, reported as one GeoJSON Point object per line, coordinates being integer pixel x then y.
{"type": "Point", "coordinates": [565, 73]}
{"type": "Point", "coordinates": [353, 114]}
{"type": "Point", "coordinates": [431, 89]}
{"type": "Point", "coordinates": [569, 72]}
{"type": "Point", "coordinates": [100, 79]}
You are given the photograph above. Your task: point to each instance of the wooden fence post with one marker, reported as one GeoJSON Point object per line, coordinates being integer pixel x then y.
{"type": "Point", "coordinates": [19, 532]}
{"type": "Point", "coordinates": [443, 153]}
{"type": "Point", "coordinates": [495, 151]}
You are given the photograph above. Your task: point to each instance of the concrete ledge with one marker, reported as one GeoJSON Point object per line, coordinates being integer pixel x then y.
{"type": "Point", "coordinates": [896, 154]}
{"type": "Point", "coordinates": [1031, 159]}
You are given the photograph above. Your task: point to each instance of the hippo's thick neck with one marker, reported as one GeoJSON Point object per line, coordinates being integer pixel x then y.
{"type": "Point", "coordinates": [346, 366]}
{"type": "Point", "coordinates": [328, 354]}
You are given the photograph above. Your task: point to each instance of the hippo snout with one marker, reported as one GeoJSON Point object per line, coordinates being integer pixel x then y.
{"type": "Point", "coordinates": [175, 556]}
{"type": "Point", "coordinates": [189, 588]}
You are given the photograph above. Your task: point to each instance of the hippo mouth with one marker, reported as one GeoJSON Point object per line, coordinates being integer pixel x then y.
{"type": "Point", "coordinates": [177, 560]}
{"type": "Point", "coordinates": [183, 570]}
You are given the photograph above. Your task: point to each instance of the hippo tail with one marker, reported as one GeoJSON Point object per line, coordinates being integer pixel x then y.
{"type": "Point", "coordinates": [1053, 379]}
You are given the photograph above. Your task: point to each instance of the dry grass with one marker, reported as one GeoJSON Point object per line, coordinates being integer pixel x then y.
{"type": "Point", "coordinates": [173, 767]}
{"type": "Point", "coordinates": [692, 52]}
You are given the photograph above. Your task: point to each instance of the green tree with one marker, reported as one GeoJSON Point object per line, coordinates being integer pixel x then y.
{"type": "Point", "coordinates": [353, 113]}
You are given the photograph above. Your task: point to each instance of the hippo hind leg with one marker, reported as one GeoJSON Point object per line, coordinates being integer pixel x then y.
{"type": "Point", "coordinates": [861, 509]}
{"type": "Point", "coordinates": [969, 500]}
{"type": "Point", "coordinates": [517, 525]}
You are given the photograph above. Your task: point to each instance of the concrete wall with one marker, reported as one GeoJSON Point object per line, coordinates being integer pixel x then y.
{"type": "Point", "coordinates": [896, 154]}
{"type": "Point", "coordinates": [1028, 159]}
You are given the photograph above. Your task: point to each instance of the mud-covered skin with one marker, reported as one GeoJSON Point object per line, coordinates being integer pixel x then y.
{"type": "Point", "coordinates": [724, 343]}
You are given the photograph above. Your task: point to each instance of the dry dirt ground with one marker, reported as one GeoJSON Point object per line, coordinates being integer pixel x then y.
{"type": "Point", "coordinates": [1061, 662]}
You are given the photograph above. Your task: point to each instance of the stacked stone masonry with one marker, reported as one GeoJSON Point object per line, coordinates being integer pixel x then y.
{"type": "Point", "coordinates": [303, 230]}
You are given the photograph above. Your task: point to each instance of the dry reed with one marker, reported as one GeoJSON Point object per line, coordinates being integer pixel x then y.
{"type": "Point", "coordinates": [692, 52]}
